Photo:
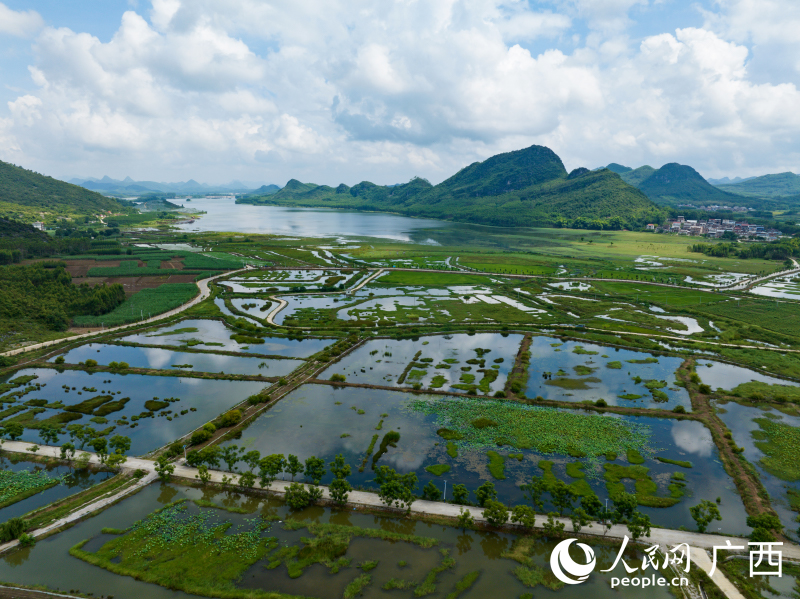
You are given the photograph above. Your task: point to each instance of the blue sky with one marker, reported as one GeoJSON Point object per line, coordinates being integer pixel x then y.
{"type": "Point", "coordinates": [340, 91]}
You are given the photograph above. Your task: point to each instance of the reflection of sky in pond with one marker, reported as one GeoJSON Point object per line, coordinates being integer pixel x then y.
{"type": "Point", "coordinates": [153, 357]}
{"type": "Point", "coordinates": [474, 551]}
{"type": "Point", "coordinates": [692, 437]}
{"type": "Point", "coordinates": [727, 376]}
{"type": "Point", "coordinates": [739, 419]}
{"type": "Point", "coordinates": [74, 481]}
{"type": "Point", "coordinates": [308, 422]}
{"type": "Point", "coordinates": [781, 287]}
{"type": "Point", "coordinates": [380, 369]}
{"type": "Point", "coordinates": [209, 397]}
{"type": "Point", "coordinates": [613, 382]}
{"type": "Point", "coordinates": [214, 331]}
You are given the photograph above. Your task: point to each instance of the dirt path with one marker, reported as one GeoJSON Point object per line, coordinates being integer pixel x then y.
{"type": "Point", "coordinates": [749, 488]}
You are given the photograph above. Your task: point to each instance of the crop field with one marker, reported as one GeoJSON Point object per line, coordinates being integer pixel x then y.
{"type": "Point", "coordinates": [145, 303]}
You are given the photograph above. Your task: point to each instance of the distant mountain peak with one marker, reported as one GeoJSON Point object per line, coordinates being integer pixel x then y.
{"type": "Point", "coordinates": [618, 168]}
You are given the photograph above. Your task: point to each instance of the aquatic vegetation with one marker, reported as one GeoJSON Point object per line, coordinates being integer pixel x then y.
{"type": "Point", "coordinates": [649, 360]}
{"type": "Point", "coordinates": [646, 488]}
{"type": "Point", "coordinates": [579, 350]}
{"type": "Point", "coordinates": [615, 365]}
{"type": "Point", "coordinates": [15, 486]}
{"type": "Point", "coordinates": [191, 551]}
{"type": "Point", "coordinates": [438, 469]}
{"type": "Point", "coordinates": [681, 463]}
{"type": "Point", "coordinates": [547, 430]}
{"type": "Point", "coordinates": [573, 384]}
{"type": "Point", "coordinates": [781, 446]}
{"type": "Point", "coordinates": [497, 464]}
{"type": "Point", "coordinates": [452, 449]}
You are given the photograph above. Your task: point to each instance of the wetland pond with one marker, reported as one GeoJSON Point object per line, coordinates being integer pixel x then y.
{"type": "Point", "coordinates": [462, 362]}
{"type": "Point", "coordinates": [748, 423]}
{"type": "Point", "coordinates": [160, 358]}
{"type": "Point", "coordinates": [459, 436]}
{"type": "Point", "coordinates": [374, 549]}
{"type": "Point", "coordinates": [578, 371]}
{"type": "Point", "coordinates": [22, 475]}
{"type": "Point", "coordinates": [213, 334]}
{"type": "Point", "coordinates": [122, 403]}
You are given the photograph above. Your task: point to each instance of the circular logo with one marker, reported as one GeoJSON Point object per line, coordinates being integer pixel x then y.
{"type": "Point", "coordinates": [566, 569]}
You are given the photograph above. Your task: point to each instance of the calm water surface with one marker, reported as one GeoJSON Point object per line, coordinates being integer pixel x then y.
{"type": "Point", "coordinates": [309, 421]}
{"type": "Point", "coordinates": [473, 551]}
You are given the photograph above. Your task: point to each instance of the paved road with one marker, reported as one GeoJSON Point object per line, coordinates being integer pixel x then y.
{"type": "Point", "coordinates": [699, 544]}
{"type": "Point", "coordinates": [204, 293]}
{"type": "Point", "coordinates": [661, 536]}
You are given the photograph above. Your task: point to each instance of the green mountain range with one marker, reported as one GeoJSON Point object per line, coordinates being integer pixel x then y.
{"type": "Point", "coordinates": [27, 195]}
{"type": "Point", "coordinates": [675, 184]}
{"type": "Point", "coordinates": [766, 186]}
{"type": "Point", "coordinates": [528, 187]}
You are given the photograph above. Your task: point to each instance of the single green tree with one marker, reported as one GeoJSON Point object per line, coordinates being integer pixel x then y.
{"type": "Point", "coordinates": [67, 451]}
{"type": "Point", "coordinates": [524, 515]}
{"type": "Point", "coordinates": [119, 444]}
{"type": "Point", "coordinates": [562, 496]}
{"type": "Point", "coordinates": [639, 525]}
{"type": "Point", "coordinates": [396, 490]}
{"type": "Point", "coordinates": [293, 466]}
{"type": "Point", "coordinates": [465, 520]}
{"type": "Point", "coordinates": [431, 492]}
{"type": "Point", "coordinates": [231, 454]}
{"type": "Point", "coordinates": [460, 495]}
{"type": "Point", "coordinates": [270, 467]}
{"type": "Point", "coordinates": [495, 512]}
{"type": "Point", "coordinates": [203, 474]}
{"type": "Point", "coordinates": [704, 513]}
{"type": "Point", "coordinates": [49, 435]}
{"type": "Point", "coordinates": [164, 468]}
{"type": "Point", "coordinates": [486, 492]}
{"type": "Point", "coordinates": [315, 469]}
{"type": "Point", "coordinates": [552, 526]}
{"type": "Point", "coordinates": [100, 446]}
{"type": "Point", "coordinates": [297, 496]}
{"type": "Point", "coordinates": [625, 505]}
{"type": "Point", "coordinates": [13, 430]}
{"type": "Point", "coordinates": [533, 492]}
{"type": "Point", "coordinates": [247, 479]}
{"type": "Point", "coordinates": [211, 456]}
{"type": "Point", "coordinates": [252, 458]}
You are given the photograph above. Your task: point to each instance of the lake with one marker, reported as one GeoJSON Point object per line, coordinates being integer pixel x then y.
{"type": "Point", "coordinates": [225, 215]}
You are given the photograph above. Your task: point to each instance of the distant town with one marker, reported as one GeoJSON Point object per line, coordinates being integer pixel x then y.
{"type": "Point", "coordinates": [716, 227]}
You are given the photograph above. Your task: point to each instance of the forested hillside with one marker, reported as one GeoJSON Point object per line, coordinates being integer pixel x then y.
{"type": "Point", "coordinates": [674, 184]}
{"type": "Point", "coordinates": [766, 186]}
{"type": "Point", "coordinates": [527, 187]}
{"type": "Point", "coordinates": [24, 192]}
{"type": "Point", "coordinates": [45, 294]}
{"type": "Point", "coordinates": [19, 241]}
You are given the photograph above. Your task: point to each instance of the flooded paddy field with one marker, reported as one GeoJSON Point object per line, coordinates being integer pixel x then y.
{"type": "Point", "coordinates": [577, 371]}
{"type": "Point", "coordinates": [47, 480]}
{"type": "Point", "coordinates": [151, 410]}
{"type": "Point", "coordinates": [460, 362]}
{"type": "Point", "coordinates": [289, 551]}
{"type": "Point", "coordinates": [473, 440]}
{"type": "Point", "coordinates": [165, 359]}
{"type": "Point", "coordinates": [214, 335]}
